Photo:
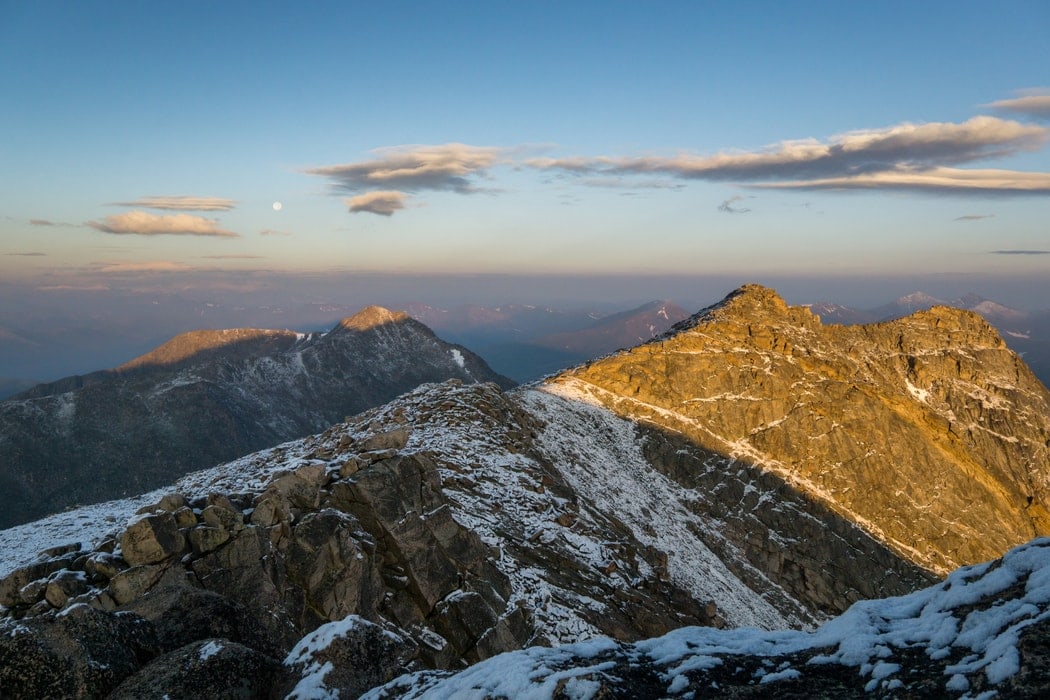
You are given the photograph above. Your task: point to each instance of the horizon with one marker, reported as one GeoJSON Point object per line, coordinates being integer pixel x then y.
{"type": "Point", "coordinates": [493, 153]}
{"type": "Point", "coordinates": [111, 326]}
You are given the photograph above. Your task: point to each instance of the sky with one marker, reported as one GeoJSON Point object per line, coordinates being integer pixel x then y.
{"type": "Point", "coordinates": [224, 145]}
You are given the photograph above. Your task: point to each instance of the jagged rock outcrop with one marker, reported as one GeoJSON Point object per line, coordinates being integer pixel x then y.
{"type": "Point", "coordinates": [204, 398]}
{"type": "Point", "coordinates": [927, 431]}
{"type": "Point", "coordinates": [984, 632]}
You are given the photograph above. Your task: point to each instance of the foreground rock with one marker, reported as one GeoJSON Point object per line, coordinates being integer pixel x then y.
{"type": "Point", "coordinates": [984, 632]}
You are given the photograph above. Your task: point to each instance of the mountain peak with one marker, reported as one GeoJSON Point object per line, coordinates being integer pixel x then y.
{"type": "Point", "coordinates": [755, 379]}
{"type": "Point", "coordinates": [372, 316]}
{"type": "Point", "coordinates": [748, 304]}
{"type": "Point", "coordinates": [191, 344]}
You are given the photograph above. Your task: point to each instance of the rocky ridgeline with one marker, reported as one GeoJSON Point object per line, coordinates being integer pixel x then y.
{"type": "Point", "coordinates": [926, 431]}
{"type": "Point", "coordinates": [205, 398]}
{"type": "Point", "coordinates": [359, 529]}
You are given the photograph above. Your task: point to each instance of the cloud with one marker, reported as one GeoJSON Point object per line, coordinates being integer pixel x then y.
{"type": "Point", "coordinates": [973, 217]}
{"type": "Point", "coordinates": [272, 232]}
{"type": "Point", "coordinates": [182, 203]}
{"type": "Point", "coordinates": [48, 222]}
{"type": "Point", "coordinates": [447, 167]}
{"type": "Point", "coordinates": [900, 154]}
{"type": "Point", "coordinates": [1021, 252]}
{"type": "Point", "coordinates": [1032, 103]}
{"type": "Point", "coordinates": [937, 180]}
{"type": "Point", "coordinates": [384, 202]}
{"type": "Point", "coordinates": [152, 266]}
{"type": "Point", "coordinates": [145, 224]}
{"type": "Point", "coordinates": [73, 288]}
{"type": "Point", "coordinates": [232, 256]}
{"type": "Point", "coordinates": [28, 255]}
{"type": "Point", "coordinates": [727, 206]}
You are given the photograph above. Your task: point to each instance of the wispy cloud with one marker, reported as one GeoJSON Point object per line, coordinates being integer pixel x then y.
{"type": "Point", "coordinates": [1021, 252]}
{"type": "Point", "coordinates": [48, 222]}
{"type": "Point", "coordinates": [448, 167]}
{"type": "Point", "coordinates": [384, 202]}
{"type": "Point", "coordinates": [87, 287]}
{"type": "Point", "coordinates": [145, 224]}
{"type": "Point", "coordinates": [28, 255]}
{"type": "Point", "coordinates": [913, 156]}
{"type": "Point", "coordinates": [973, 217]}
{"type": "Point", "coordinates": [934, 180]}
{"type": "Point", "coordinates": [151, 266]}
{"type": "Point", "coordinates": [727, 206]}
{"type": "Point", "coordinates": [232, 256]}
{"type": "Point", "coordinates": [181, 203]}
{"type": "Point", "coordinates": [1033, 103]}
{"type": "Point", "coordinates": [272, 232]}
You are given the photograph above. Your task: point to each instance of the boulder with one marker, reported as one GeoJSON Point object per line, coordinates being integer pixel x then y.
{"type": "Point", "coordinates": [390, 440]}
{"type": "Point", "coordinates": [347, 658]}
{"type": "Point", "coordinates": [81, 653]}
{"type": "Point", "coordinates": [64, 585]}
{"type": "Point", "coordinates": [151, 538]}
{"type": "Point", "coordinates": [212, 668]}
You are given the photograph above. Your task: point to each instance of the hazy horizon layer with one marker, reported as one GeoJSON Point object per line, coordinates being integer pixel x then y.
{"type": "Point", "coordinates": [61, 330]}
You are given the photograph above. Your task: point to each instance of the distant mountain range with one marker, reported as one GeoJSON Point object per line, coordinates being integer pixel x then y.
{"type": "Point", "coordinates": [527, 342]}
{"type": "Point", "coordinates": [1026, 332]}
{"type": "Point", "coordinates": [206, 397]}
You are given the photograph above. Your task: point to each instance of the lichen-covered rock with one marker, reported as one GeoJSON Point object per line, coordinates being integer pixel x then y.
{"type": "Point", "coordinates": [212, 668]}
{"type": "Point", "coordinates": [82, 653]}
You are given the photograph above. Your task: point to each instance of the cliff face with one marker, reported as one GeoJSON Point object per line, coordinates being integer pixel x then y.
{"type": "Point", "coordinates": [926, 431]}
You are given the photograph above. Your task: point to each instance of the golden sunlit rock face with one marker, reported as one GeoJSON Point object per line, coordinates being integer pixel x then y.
{"type": "Point", "coordinates": [926, 431]}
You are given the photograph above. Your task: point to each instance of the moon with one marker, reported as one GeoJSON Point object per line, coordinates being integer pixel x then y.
{"type": "Point", "coordinates": [277, 206]}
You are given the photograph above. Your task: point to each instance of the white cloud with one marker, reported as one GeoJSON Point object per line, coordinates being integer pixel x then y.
{"type": "Point", "coordinates": [182, 203]}
{"type": "Point", "coordinates": [145, 224]}
{"type": "Point", "coordinates": [1033, 103]}
{"type": "Point", "coordinates": [382, 202]}
{"type": "Point", "coordinates": [894, 156]}
{"type": "Point", "coordinates": [151, 266]}
{"type": "Point", "coordinates": [946, 180]}
{"type": "Point", "coordinates": [449, 166]}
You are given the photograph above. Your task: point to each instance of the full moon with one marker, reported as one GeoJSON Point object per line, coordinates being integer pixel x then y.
{"type": "Point", "coordinates": [277, 206]}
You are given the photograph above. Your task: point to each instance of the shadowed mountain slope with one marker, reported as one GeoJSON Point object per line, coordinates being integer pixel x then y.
{"type": "Point", "coordinates": [206, 397]}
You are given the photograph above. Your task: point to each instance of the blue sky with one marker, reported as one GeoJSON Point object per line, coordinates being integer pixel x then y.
{"type": "Point", "coordinates": [155, 141]}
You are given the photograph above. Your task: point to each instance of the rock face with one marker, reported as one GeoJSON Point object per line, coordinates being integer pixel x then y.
{"type": "Point", "coordinates": [926, 430]}
{"type": "Point", "coordinates": [982, 632]}
{"type": "Point", "coordinates": [204, 398]}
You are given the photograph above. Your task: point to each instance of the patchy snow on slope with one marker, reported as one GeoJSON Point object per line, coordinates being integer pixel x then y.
{"type": "Point", "coordinates": [457, 356]}
{"type": "Point", "coordinates": [600, 455]}
{"type": "Point", "coordinates": [89, 524]}
{"type": "Point", "coordinates": [967, 630]}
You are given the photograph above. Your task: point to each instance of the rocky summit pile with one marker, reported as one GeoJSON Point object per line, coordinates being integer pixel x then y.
{"type": "Point", "coordinates": [433, 533]}
{"type": "Point", "coordinates": [204, 398]}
